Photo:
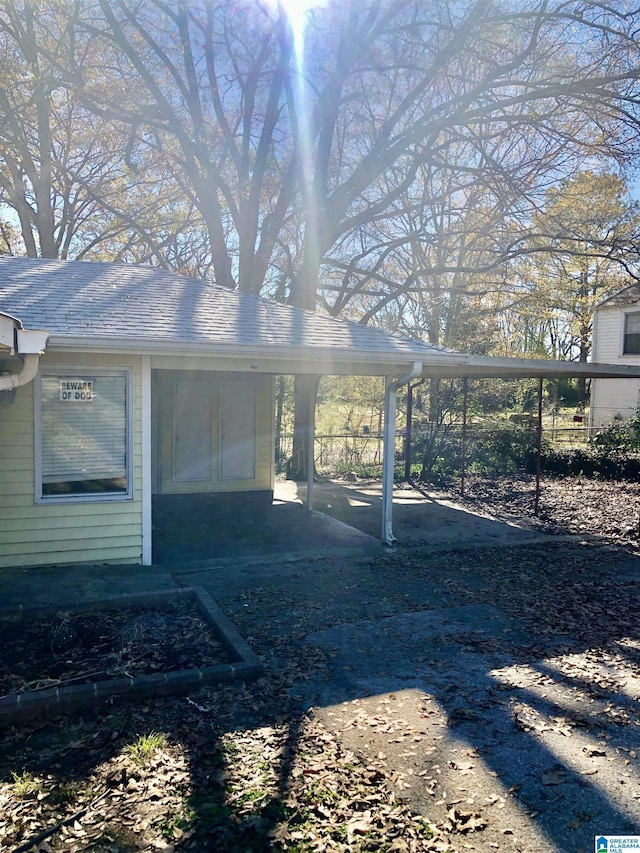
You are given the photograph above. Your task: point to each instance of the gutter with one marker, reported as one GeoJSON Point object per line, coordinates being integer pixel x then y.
{"type": "Point", "coordinates": [388, 462]}
{"type": "Point", "coordinates": [28, 373]}
{"type": "Point", "coordinates": [484, 367]}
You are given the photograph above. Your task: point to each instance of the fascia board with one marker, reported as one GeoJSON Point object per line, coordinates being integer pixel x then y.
{"type": "Point", "coordinates": [317, 360]}
{"type": "Point", "coordinates": [506, 368]}
{"type": "Point", "coordinates": [309, 356]}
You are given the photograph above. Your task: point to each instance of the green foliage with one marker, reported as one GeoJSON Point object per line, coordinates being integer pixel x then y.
{"type": "Point", "coordinates": [510, 448]}
{"type": "Point", "coordinates": [366, 470]}
{"type": "Point", "coordinates": [618, 437]}
{"type": "Point", "coordinates": [586, 462]}
{"type": "Point", "coordinates": [25, 785]}
{"type": "Point", "coordinates": [439, 449]}
{"type": "Point", "coordinates": [346, 404]}
{"type": "Point", "coordinates": [498, 448]}
{"type": "Point", "coordinates": [489, 396]}
{"type": "Point", "coordinates": [145, 747]}
{"type": "Point", "coordinates": [503, 449]}
{"type": "Point", "coordinates": [612, 453]}
{"type": "Point", "coordinates": [564, 391]}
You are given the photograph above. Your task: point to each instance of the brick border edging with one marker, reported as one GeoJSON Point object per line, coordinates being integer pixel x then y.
{"type": "Point", "coordinates": [63, 700]}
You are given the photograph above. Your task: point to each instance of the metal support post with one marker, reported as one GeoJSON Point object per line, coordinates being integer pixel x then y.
{"type": "Point", "coordinates": [463, 466]}
{"type": "Point", "coordinates": [538, 448]}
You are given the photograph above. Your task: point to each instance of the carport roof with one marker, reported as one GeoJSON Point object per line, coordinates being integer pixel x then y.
{"type": "Point", "coordinates": [98, 307]}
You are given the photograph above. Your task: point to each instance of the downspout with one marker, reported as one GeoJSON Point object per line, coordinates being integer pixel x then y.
{"type": "Point", "coordinates": [389, 451]}
{"type": "Point", "coordinates": [30, 345]}
{"type": "Point", "coordinates": [23, 377]}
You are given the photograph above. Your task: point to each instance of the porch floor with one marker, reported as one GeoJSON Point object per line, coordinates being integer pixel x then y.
{"type": "Point", "coordinates": [346, 515]}
{"type": "Point", "coordinates": [189, 528]}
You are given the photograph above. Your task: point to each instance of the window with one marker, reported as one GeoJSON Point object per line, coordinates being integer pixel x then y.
{"type": "Point", "coordinates": [83, 450]}
{"type": "Point", "coordinates": [631, 334]}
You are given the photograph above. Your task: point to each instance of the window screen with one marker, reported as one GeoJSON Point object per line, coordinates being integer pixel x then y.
{"type": "Point", "coordinates": [84, 434]}
{"type": "Point", "coordinates": [632, 334]}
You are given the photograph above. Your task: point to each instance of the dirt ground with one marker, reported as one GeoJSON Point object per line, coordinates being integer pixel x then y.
{"type": "Point", "coordinates": [470, 696]}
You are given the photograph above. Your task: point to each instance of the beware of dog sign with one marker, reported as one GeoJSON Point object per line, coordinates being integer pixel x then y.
{"type": "Point", "coordinates": [77, 390]}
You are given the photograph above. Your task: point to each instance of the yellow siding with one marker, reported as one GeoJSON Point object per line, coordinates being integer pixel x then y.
{"type": "Point", "coordinates": [87, 532]}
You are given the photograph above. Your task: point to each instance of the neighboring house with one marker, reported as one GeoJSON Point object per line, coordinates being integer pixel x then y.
{"type": "Point", "coordinates": [151, 384]}
{"type": "Point", "coordinates": [616, 340]}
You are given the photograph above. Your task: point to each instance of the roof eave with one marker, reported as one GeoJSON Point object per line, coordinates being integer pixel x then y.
{"type": "Point", "coordinates": [488, 367]}
{"type": "Point", "coordinates": [305, 359]}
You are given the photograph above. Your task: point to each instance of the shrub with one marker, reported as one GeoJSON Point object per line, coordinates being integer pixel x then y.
{"type": "Point", "coordinates": [619, 436]}
{"type": "Point", "coordinates": [591, 462]}
{"type": "Point", "coordinates": [503, 448]}
{"type": "Point", "coordinates": [509, 447]}
{"type": "Point", "coordinates": [439, 451]}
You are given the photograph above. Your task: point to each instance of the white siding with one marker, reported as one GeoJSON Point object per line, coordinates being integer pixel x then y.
{"type": "Point", "coordinates": [607, 342]}
{"type": "Point", "coordinates": [612, 399]}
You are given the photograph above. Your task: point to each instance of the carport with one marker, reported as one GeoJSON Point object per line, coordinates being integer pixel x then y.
{"type": "Point", "coordinates": [478, 367]}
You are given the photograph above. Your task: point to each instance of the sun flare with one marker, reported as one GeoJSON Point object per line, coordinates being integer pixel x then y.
{"type": "Point", "coordinates": [296, 11]}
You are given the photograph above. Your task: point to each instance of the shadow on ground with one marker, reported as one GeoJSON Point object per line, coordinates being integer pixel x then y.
{"type": "Point", "coordinates": [345, 515]}
{"type": "Point", "coordinates": [204, 527]}
{"type": "Point", "coordinates": [420, 516]}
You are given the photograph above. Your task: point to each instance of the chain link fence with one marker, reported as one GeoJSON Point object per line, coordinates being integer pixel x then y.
{"type": "Point", "coordinates": [346, 452]}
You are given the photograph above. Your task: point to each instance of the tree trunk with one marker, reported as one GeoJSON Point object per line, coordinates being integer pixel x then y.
{"type": "Point", "coordinates": [585, 347]}
{"type": "Point", "coordinates": [305, 392]}
{"type": "Point", "coordinates": [434, 401]}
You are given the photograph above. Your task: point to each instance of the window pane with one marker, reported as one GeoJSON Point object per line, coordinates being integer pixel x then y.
{"type": "Point", "coordinates": [84, 434]}
{"type": "Point", "coordinates": [632, 344]}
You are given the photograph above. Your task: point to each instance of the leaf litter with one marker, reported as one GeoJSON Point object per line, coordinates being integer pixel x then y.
{"type": "Point", "coordinates": [243, 769]}
{"type": "Point", "coordinates": [76, 647]}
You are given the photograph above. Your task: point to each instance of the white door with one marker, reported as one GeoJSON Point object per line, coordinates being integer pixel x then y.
{"type": "Point", "coordinates": [192, 431]}
{"type": "Point", "coordinates": [237, 431]}
{"type": "Point", "coordinates": [208, 437]}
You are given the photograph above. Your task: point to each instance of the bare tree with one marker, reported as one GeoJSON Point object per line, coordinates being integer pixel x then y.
{"type": "Point", "coordinates": [77, 187]}
{"type": "Point", "coordinates": [588, 234]}
{"type": "Point", "coordinates": [328, 140]}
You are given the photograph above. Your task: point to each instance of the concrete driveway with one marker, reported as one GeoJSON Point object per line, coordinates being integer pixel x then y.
{"type": "Point", "coordinates": [429, 517]}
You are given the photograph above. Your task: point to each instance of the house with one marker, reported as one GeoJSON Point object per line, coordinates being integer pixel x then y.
{"type": "Point", "coordinates": [150, 384]}
{"type": "Point", "coordinates": [124, 386]}
{"type": "Point", "coordinates": [616, 340]}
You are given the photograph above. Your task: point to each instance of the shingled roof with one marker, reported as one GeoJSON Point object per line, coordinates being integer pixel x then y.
{"type": "Point", "coordinates": [139, 308]}
{"type": "Point", "coordinates": [628, 296]}
{"type": "Point", "coordinates": [128, 308]}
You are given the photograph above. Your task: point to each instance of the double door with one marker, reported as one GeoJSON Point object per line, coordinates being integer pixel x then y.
{"type": "Point", "coordinates": [207, 432]}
